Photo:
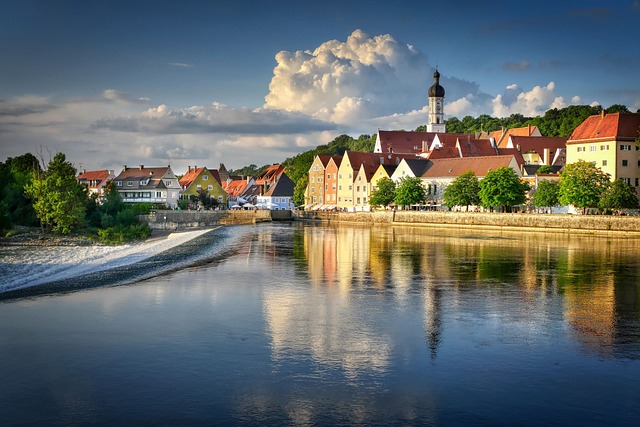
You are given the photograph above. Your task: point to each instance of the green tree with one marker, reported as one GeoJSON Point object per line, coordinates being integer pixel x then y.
{"type": "Point", "coordinates": [544, 169]}
{"type": "Point", "coordinates": [59, 200]}
{"type": "Point", "coordinates": [582, 184]}
{"type": "Point", "coordinates": [463, 191]}
{"type": "Point", "coordinates": [619, 195]}
{"type": "Point", "coordinates": [546, 195]}
{"type": "Point", "coordinates": [502, 187]}
{"type": "Point", "coordinates": [384, 193]}
{"type": "Point", "coordinates": [410, 191]}
{"type": "Point", "coordinates": [300, 189]}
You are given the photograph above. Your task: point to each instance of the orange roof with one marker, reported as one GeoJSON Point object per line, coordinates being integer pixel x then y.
{"type": "Point", "coordinates": [236, 187]}
{"type": "Point", "coordinates": [452, 168]}
{"type": "Point", "coordinates": [188, 177]}
{"type": "Point", "coordinates": [270, 174]}
{"type": "Point", "coordinates": [502, 136]}
{"type": "Point", "coordinates": [619, 126]}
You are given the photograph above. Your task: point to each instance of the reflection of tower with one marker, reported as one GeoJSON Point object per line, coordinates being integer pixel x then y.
{"type": "Point", "coordinates": [432, 320]}
{"type": "Point", "coordinates": [436, 106]}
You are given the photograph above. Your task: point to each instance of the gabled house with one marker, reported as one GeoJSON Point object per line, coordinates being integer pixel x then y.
{"type": "Point", "coordinates": [316, 186]}
{"type": "Point", "coordinates": [362, 186]}
{"type": "Point", "coordinates": [437, 177]}
{"type": "Point", "coordinates": [268, 177]}
{"type": "Point", "coordinates": [501, 137]}
{"type": "Point", "coordinates": [403, 142]}
{"type": "Point", "coordinates": [95, 181]}
{"type": "Point", "coordinates": [241, 191]}
{"type": "Point", "coordinates": [539, 150]}
{"type": "Point", "coordinates": [410, 168]}
{"type": "Point", "coordinates": [157, 185]}
{"type": "Point", "coordinates": [331, 181]}
{"type": "Point", "coordinates": [608, 141]}
{"type": "Point", "coordinates": [279, 196]}
{"type": "Point", "coordinates": [383, 171]}
{"type": "Point", "coordinates": [197, 179]}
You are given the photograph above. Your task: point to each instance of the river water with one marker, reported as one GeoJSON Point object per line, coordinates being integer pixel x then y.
{"type": "Point", "coordinates": [296, 324]}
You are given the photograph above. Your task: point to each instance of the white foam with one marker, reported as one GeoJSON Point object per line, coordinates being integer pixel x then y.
{"type": "Point", "coordinates": [22, 267]}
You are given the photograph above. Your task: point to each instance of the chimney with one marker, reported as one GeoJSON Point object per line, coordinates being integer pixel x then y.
{"type": "Point", "coordinates": [124, 167]}
{"type": "Point", "coordinates": [529, 129]}
{"type": "Point", "coordinates": [602, 113]}
{"type": "Point", "coordinates": [84, 171]}
{"type": "Point", "coordinates": [189, 168]}
{"type": "Point", "coordinates": [545, 156]}
{"type": "Point", "coordinates": [141, 167]}
{"type": "Point", "coordinates": [195, 167]}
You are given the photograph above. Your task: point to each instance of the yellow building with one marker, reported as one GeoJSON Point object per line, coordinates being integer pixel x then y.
{"type": "Point", "coordinates": [609, 142]}
{"type": "Point", "coordinates": [197, 179]}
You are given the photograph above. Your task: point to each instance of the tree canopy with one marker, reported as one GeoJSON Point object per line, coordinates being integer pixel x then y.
{"type": "Point", "coordinates": [409, 191]}
{"type": "Point", "coordinates": [546, 195]}
{"type": "Point", "coordinates": [384, 193]}
{"type": "Point", "coordinates": [619, 195]}
{"type": "Point", "coordinates": [582, 184]}
{"type": "Point", "coordinates": [463, 191]}
{"type": "Point", "coordinates": [502, 187]}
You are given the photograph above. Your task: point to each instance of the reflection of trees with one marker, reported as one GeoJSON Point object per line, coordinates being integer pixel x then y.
{"type": "Point", "coordinates": [594, 279]}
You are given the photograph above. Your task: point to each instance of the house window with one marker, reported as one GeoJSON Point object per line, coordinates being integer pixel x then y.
{"type": "Point", "coordinates": [604, 163]}
{"type": "Point", "coordinates": [580, 149]}
{"type": "Point", "coordinates": [340, 188]}
{"type": "Point", "coordinates": [158, 194]}
{"type": "Point", "coordinates": [205, 177]}
{"type": "Point", "coordinates": [328, 176]}
{"type": "Point", "coordinates": [129, 183]}
{"type": "Point", "coordinates": [350, 187]}
{"type": "Point", "coordinates": [220, 198]}
{"type": "Point", "coordinates": [313, 189]}
{"type": "Point", "coordinates": [340, 177]}
{"type": "Point", "coordinates": [625, 147]}
{"type": "Point", "coordinates": [119, 183]}
{"type": "Point", "coordinates": [358, 188]}
{"type": "Point", "coordinates": [198, 187]}
{"type": "Point", "coordinates": [604, 147]}
{"type": "Point", "coordinates": [210, 187]}
{"type": "Point", "coordinates": [627, 180]}
{"type": "Point", "coordinates": [326, 186]}
{"type": "Point", "coordinates": [314, 199]}
{"type": "Point", "coordinates": [313, 179]}
{"type": "Point", "coordinates": [593, 148]}
{"type": "Point", "coordinates": [625, 163]}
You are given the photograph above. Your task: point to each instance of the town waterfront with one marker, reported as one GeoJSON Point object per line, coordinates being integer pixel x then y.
{"type": "Point", "coordinates": [310, 324]}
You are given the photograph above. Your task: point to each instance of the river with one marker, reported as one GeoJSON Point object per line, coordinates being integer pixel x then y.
{"type": "Point", "coordinates": [298, 324]}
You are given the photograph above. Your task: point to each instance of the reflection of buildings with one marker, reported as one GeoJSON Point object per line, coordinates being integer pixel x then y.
{"type": "Point", "coordinates": [527, 279]}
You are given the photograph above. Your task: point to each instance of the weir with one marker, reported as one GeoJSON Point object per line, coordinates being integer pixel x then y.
{"type": "Point", "coordinates": [173, 220]}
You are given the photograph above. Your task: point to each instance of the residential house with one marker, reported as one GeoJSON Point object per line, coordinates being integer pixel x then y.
{"type": "Point", "coordinates": [410, 168]}
{"type": "Point", "coordinates": [331, 182]}
{"type": "Point", "coordinates": [316, 186]}
{"type": "Point", "coordinates": [441, 172]}
{"type": "Point", "coordinates": [197, 179]}
{"type": "Point", "coordinates": [157, 185]}
{"type": "Point", "coordinates": [539, 150]}
{"type": "Point", "coordinates": [279, 196]}
{"type": "Point", "coordinates": [242, 191]}
{"type": "Point", "coordinates": [268, 177]}
{"type": "Point", "coordinates": [501, 137]}
{"type": "Point", "coordinates": [609, 142]}
{"type": "Point", "coordinates": [383, 171]}
{"type": "Point", "coordinates": [95, 181]}
{"type": "Point", "coordinates": [362, 186]}
{"type": "Point", "coordinates": [349, 170]}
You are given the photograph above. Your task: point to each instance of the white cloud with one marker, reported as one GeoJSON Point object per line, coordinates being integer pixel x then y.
{"type": "Point", "coordinates": [344, 82]}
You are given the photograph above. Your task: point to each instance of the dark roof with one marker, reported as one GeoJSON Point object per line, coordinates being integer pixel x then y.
{"type": "Point", "coordinates": [282, 188]}
{"type": "Point", "coordinates": [436, 90]}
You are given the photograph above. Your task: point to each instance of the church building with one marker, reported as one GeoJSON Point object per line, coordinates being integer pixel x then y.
{"type": "Point", "coordinates": [436, 106]}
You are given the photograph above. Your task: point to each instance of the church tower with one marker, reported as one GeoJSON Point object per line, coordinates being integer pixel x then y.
{"type": "Point", "coordinates": [436, 106]}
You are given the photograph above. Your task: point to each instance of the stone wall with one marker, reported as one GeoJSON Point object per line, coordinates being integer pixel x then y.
{"type": "Point", "coordinates": [172, 220]}
{"type": "Point", "coordinates": [554, 223]}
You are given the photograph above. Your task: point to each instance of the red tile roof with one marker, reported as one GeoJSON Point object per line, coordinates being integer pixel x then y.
{"type": "Point", "coordinates": [94, 175]}
{"type": "Point", "coordinates": [450, 152]}
{"type": "Point", "coordinates": [236, 188]}
{"type": "Point", "coordinates": [470, 147]}
{"type": "Point", "coordinates": [452, 168]}
{"type": "Point", "coordinates": [270, 174]}
{"type": "Point", "coordinates": [538, 143]}
{"type": "Point", "coordinates": [403, 142]}
{"type": "Point", "coordinates": [601, 127]}
{"type": "Point", "coordinates": [502, 136]}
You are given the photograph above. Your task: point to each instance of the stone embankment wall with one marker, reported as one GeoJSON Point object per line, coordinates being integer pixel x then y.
{"type": "Point", "coordinates": [172, 220]}
{"type": "Point", "coordinates": [589, 224]}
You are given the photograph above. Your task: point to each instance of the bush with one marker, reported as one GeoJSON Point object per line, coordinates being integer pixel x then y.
{"type": "Point", "coordinates": [120, 234]}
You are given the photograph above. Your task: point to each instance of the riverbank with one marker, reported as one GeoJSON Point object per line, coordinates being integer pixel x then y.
{"type": "Point", "coordinates": [539, 223]}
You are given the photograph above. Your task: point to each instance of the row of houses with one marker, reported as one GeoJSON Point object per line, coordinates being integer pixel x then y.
{"type": "Point", "coordinates": [346, 182]}
{"type": "Point", "coordinates": [161, 186]}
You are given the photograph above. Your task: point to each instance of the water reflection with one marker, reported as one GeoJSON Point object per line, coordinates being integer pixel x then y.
{"type": "Point", "coordinates": [592, 282]}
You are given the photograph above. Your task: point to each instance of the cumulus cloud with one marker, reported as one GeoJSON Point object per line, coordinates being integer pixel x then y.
{"type": "Point", "coordinates": [529, 103]}
{"type": "Point", "coordinates": [346, 81]}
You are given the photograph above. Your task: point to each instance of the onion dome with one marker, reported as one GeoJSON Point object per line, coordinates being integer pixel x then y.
{"type": "Point", "coordinates": [436, 90]}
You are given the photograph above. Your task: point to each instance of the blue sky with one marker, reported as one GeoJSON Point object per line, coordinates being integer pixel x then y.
{"type": "Point", "coordinates": [241, 82]}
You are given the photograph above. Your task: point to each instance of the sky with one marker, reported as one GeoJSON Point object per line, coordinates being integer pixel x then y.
{"type": "Point", "coordinates": [242, 82]}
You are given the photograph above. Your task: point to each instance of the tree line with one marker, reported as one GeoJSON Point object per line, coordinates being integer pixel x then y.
{"type": "Point", "coordinates": [33, 193]}
{"type": "Point", "coordinates": [581, 184]}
